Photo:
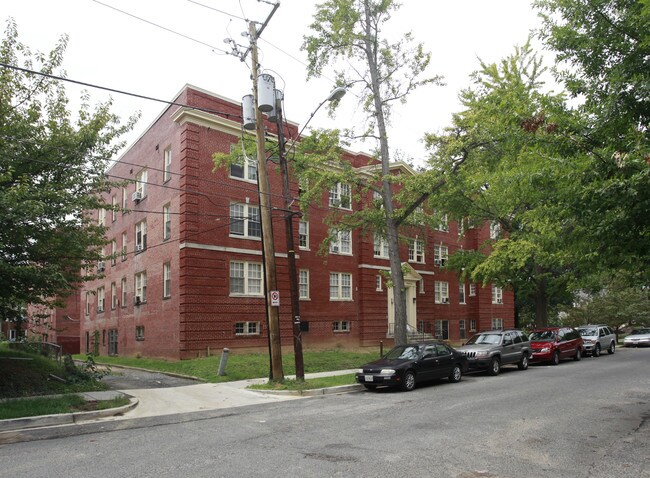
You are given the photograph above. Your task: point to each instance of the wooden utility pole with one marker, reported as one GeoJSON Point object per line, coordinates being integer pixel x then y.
{"type": "Point", "coordinates": [270, 282]}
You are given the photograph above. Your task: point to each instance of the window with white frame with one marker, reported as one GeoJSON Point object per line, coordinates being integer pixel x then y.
{"type": "Point", "coordinates": [243, 168]}
{"type": "Point", "coordinates": [377, 200]}
{"type": "Point", "coordinates": [341, 242]}
{"type": "Point", "coordinates": [141, 183]}
{"type": "Point", "coordinates": [245, 220]}
{"type": "Point", "coordinates": [167, 280]}
{"type": "Point", "coordinates": [123, 289]}
{"type": "Point", "coordinates": [381, 247]}
{"type": "Point", "coordinates": [101, 217]}
{"type": "Point", "coordinates": [497, 324]}
{"type": "Point", "coordinates": [303, 284]}
{"type": "Point", "coordinates": [497, 295]}
{"type": "Point", "coordinates": [461, 227]}
{"type": "Point", "coordinates": [443, 225]}
{"type": "Point", "coordinates": [472, 290]}
{"type": "Point", "coordinates": [441, 292]}
{"type": "Point", "coordinates": [140, 289]}
{"type": "Point", "coordinates": [421, 285]}
{"type": "Point", "coordinates": [416, 251]}
{"type": "Point", "coordinates": [141, 236]}
{"type": "Point", "coordinates": [440, 254]}
{"type": "Point", "coordinates": [341, 326]}
{"type": "Point", "coordinates": [378, 283]}
{"type": "Point", "coordinates": [124, 246]}
{"type": "Point", "coordinates": [461, 293]}
{"type": "Point", "coordinates": [303, 234]}
{"type": "Point", "coordinates": [87, 303]}
{"type": "Point", "coordinates": [341, 196]}
{"type": "Point", "coordinates": [472, 325]}
{"type": "Point", "coordinates": [340, 286]}
{"type": "Point", "coordinates": [124, 200]}
{"type": "Point", "coordinates": [113, 296]}
{"type": "Point", "coordinates": [100, 299]}
{"type": "Point", "coordinates": [113, 208]}
{"type": "Point", "coordinates": [113, 252]}
{"type": "Point", "coordinates": [495, 230]}
{"type": "Point", "coordinates": [167, 164]}
{"type": "Point", "coordinates": [139, 332]}
{"type": "Point", "coordinates": [245, 278]}
{"type": "Point", "coordinates": [167, 222]}
{"type": "Point", "coordinates": [461, 329]}
{"type": "Point", "coordinates": [247, 328]}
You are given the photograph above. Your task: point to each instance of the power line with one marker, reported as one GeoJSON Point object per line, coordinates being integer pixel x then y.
{"type": "Point", "coordinates": [217, 10]}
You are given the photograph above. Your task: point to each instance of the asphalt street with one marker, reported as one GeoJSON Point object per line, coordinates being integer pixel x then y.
{"type": "Point", "coordinates": [578, 419]}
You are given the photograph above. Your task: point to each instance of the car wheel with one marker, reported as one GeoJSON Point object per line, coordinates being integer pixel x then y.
{"type": "Point", "coordinates": [612, 348]}
{"type": "Point", "coordinates": [596, 352]}
{"type": "Point", "coordinates": [370, 387]}
{"type": "Point", "coordinates": [495, 367]}
{"type": "Point", "coordinates": [523, 363]}
{"type": "Point", "coordinates": [456, 374]}
{"type": "Point", "coordinates": [578, 356]}
{"type": "Point", "coordinates": [556, 358]}
{"type": "Point", "coordinates": [408, 382]}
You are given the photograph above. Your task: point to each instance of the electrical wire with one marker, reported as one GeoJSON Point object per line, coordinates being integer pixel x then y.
{"type": "Point", "coordinates": [217, 10]}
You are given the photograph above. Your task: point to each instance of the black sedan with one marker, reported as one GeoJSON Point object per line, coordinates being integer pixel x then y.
{"type": "Point", "coordinates": [407, 364]}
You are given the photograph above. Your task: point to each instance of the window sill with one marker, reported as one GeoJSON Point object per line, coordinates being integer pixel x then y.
{"type": "Point", "coordinates": [250, 296]}
{"type": "Point", "coordinates": [250, 238]}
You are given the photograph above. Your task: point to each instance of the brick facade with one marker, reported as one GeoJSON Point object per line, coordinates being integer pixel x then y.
{"type": "Point", "coordinates": [201, 313]}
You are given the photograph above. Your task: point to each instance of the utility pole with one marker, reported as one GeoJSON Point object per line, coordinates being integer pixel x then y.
{"type": "Point", "coordinates": [291, 252]}
{"type": "Point", "coordinates": [270, 281]}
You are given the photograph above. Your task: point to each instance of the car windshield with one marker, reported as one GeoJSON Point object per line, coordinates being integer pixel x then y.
{"type": "Point", "coordinates": [493, 339]}
{"type": "Point", "coordinates": [404, 352]}
{"type": "Point", "coordinates": [543, 336]}
{"type": "Point", "coordinates": [588, 332]}
{"type": "Point", "coordinates": [640, 332]}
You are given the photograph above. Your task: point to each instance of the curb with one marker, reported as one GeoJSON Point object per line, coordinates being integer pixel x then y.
{"type": "Point", "coordinates": [355, 387]}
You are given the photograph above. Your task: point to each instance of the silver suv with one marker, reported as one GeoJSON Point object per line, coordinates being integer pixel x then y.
{"type": "Point", "coordinates": [597, 338]}
{"type": "Point", "coordinates": [490, 350]}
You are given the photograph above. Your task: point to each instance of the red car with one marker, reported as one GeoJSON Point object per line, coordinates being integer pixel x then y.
{"type": "Point", "coordinates": [555, 343]}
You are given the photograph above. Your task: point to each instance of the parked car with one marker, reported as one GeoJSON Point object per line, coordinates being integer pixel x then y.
{"type": "Point", "coordinates": [553, 344]}
{"type": "Point", "coordinates": [406, 365]}
{"type": "Point", "coordinates": [598, 338]}
{"type": "Point", "coordinates": [638, 338]}
{"type": "Point", "coordinates": [491, 350]}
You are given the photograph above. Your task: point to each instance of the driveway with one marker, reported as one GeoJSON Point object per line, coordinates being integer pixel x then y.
{"type": "Point", "coordinates": [130, 379]}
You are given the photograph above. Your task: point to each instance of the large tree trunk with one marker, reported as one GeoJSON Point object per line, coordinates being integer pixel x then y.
{"type": "Point", "coordinates": [541, 304]}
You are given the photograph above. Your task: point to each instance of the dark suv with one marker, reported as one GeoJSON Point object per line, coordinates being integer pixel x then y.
{"type": "Point", "coordinates": [490, 350]}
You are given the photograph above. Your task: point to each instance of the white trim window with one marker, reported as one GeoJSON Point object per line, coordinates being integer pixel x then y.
{"type": "Point", "coordinates": [381, 247]}
{"type": "Point", "coordinates": [141, 236]}
{"type": "Point", "coordinates": [421, 285]}
{"type": "Point", "coordinates": [246, 279]}
{"type": "Point", "coordinates": [341, 242]}
{"type": "Point", "coordinates": [341, 196]}
{"type": "Point", "coordinates": [113, 208]}
{"type": "Point", "coordinates": [247, 328]}
{"type": "Point", "coordinates": [113, 296]}
{"type": "Point", "coordinates": [243, 168]}
{"type": "Point", "coordinates": [245, 221]}
{"type": "Point", "coordinates": [124, 200]}
{"type": "Point", "coordinates": [497, 295]}
{"type": "Point", "coordinates": [341, 326]}
{"type": "Point", "coordinates": [497, 324]}
{"type": "Point", "coordinates": [100, 299]}
{"type": "Point", "coordinates": [303, 284]}
{"type": "Point", "coordinates": [472, 290]}
{"type": "Point", "coordinates": [377, 200]}
{"type": "Point", "coordinates": [472, 325]}
{"type": "Point", "coordinates": [440, 255]}
{"type": "Point", "coordinates": [101, 217]}
{"type": "Point", "coordinates": [340, 286]}
{"type": "Point", "coordinates": [113, 252]}
{"type": "Point", "coordinates": [140, 288]}
{"type": "Point", "coordinates": [416, 251]}
{"type": "Point", "coordinates": [167, 222]}
{"type": "Point", "coordinates": [87, 303]}
{"type": "Point", "coordinates": [141, 183]}
{"type": "Point", "coordinates": [167, 164]}
{"type": "Point", "coordinates": [443, 225]}
{"type": "Point", "coordinates": [441, 292]}
{"type": "Point", "coordinates": [124, 252]}
{"type": "Point", "coordinates": [461, 293]}
{"type": "Point", "coordinates": [461, 227]}
{"type": "Point", "coordinates": [495, 230]}
{"type": "Point", "coordinates": [167, 280]}
{"type": "Point", "coordinates": [123, 288]}
{"type": "Point", "coordinates": [303, 235]}
{"type": "Point", "coordinates": [378, 283]}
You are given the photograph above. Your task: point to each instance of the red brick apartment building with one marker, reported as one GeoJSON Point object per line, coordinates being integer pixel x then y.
{"type": "Point", "coordinates": [185, 276]}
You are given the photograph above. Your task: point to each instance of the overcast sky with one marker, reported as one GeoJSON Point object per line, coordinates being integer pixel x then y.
{"type": "Point", "coordinates": [113, 49]}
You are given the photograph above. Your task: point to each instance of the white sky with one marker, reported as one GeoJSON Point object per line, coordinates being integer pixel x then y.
{"type": "Point", "coordinates": [115, 50]}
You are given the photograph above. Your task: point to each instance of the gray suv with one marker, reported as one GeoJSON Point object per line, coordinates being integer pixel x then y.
{"type": "Point", "coordinates": [490, 350]}
{"type": "Point", "coordinates": [598, 338]}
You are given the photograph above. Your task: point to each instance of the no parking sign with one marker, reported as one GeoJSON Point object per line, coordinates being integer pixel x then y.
{"type": "Point", "coordinates": [275, 298]}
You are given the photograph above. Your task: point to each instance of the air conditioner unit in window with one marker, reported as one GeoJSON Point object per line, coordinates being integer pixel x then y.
{"type": "Point", "coordinates": [136, 300]}
{"type": "Point", "coordinates": [499, 301]}
{"type": "Point", "coordinates": [334, 248]}
{"type": "Point", "coordinates": [436, 262]}
{"type": "Point", "coordinates": [101, 266]}
{"type": "Point", "coordinates": [445, 300]}
{"type": "Point", "coordinates": [137, 196]}
{"type": "Point", "coordinates": [138, 248]}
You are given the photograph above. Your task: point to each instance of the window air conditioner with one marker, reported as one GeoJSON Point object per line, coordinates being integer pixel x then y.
{"type": "Point", "coordinates": [436, 262]}
{"type": "Point", "coordinates": [138, 248]}
{"type": "Point", "coordinates": [101, 266]}
{"type": "Point", "coordinates": [445, 300]}
{"type": "Point", "coordinates": [137, 196]}
{"type": "Point", "coordinates": [499, 301]}
{"type": "Point", "coordinates": [136, 300]}
{"type": "Point", "coordinates": [334, 248]}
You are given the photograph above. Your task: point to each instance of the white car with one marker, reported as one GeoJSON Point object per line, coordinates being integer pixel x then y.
{"type": "Point", "coordinates": [638, 337]}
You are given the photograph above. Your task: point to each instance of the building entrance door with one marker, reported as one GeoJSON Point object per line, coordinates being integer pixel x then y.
{"type": "Point", "coordinates": [411, 278]}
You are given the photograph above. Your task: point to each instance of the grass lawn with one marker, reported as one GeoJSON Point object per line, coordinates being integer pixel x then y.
{"type": "Point", "coordinates": [245, 366]}
{"type": "Point", "coordinates": [308, 384]}
{"type": "Point", "coordinates": [32, 407]}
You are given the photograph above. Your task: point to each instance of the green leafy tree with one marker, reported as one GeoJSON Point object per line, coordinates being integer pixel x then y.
{"type": "Point", "coordinates": [52, 167]}
{"type": "Point", "coordinates": [347, 36]}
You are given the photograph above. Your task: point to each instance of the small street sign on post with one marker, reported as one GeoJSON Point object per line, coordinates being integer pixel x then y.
{"type": "Point", "coordinates": [275, 298]}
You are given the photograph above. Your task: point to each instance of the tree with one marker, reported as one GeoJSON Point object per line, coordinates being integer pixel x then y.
{"type": "Point", "coordinates": [349, 32]}
{"type": "Point", "coordinates": [52, 169]}
{"type": "Point", "coordinates": [519, 165]}
{"type": "Point", "coordinates": [603, 51]}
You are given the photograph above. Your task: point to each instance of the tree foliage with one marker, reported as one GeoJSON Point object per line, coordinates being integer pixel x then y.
{"type": "Point", "coordinates": [52, 169]}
